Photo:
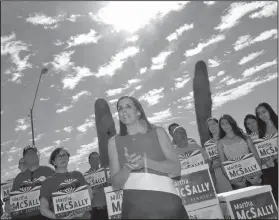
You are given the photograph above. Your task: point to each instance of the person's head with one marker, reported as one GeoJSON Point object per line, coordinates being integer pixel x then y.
{"type": "Point", "coordinates": [59, 158]}
{"type": "Point", "coordinates": [21, 165]}
{"type": "Point", "coordinates": [265, 113]}
{"type": "Point", "coordinates": [250, 124]}
{"type": "Point", "coordinates": [172, 127]}
{"type": "Point", "coordinates": [31, 155]}
{"type": "Point", "coordinates": [130, 112]}
{"type": "Point", "coordinates": [227, 125]}
{"type": "Point", "coordinates": [180, 135]}
{"type": "Point", "coordinates": [212, 127]}
{"type": "Point", "coordinates": [94, 160]}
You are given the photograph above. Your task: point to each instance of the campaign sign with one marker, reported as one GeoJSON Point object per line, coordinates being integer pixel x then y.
{"type": "Point", "coordinates": [114, 202]}
{"type": "Point", "coordinates": [211, 149]}
{"type": "Point", "coordinates": [26, 201]}
{"type": "Point", "coordinates": [195, 187]}
{"type": "Point", "coordinates": [267, 148]}
{"type": "Point", "coordinates": [191, 159]}
{"type": "Point", "coordinates": [98, 178]}
{"type": "Point", "coordinates": [6, 187]}
{"type": "Point", "coordinates": [74, 200]}
{"type": "Point", "coordinates": [260, 206]}
{"type": "Point", "coordinates": [245, 166]}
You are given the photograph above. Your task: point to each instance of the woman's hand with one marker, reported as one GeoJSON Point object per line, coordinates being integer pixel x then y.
{"type": "Point", "coordinates": [256, 180]}
{"type": "Point", "coordinates": [241, 183]}
{"type": "Point", "coordinates": [216, 163]}
{"type": "Point", "coordinates": [270, 163]}
{"type": "Point", "coordinates": [9, 207]}
{"type": "Point", "coordinates": [135, 162]}
{"type": "Point", "coordinates": [69, 216]}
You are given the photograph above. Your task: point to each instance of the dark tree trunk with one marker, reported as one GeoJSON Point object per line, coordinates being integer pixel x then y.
{"type": "Point", "coordinates": [202, 99]}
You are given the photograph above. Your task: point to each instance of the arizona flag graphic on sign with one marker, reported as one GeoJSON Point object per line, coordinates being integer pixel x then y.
{"type": "Point", "coordinates": [70, 199]}
{"type": "Point", "coordinates": [191, 159]}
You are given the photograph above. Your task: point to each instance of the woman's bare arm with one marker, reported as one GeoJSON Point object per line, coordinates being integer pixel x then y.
{"type": "Point", "coordinates": [253, 150]}
{"type": "Point", "coordinates": [44, 209]}
{"type": "Point", "coordinates": [222, 156]}
{"type": "Point", "coordinates": [119, 175]}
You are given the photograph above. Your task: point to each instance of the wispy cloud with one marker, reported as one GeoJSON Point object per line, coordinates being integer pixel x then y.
{"type": "Point", "coordinates": [181, 81]}
{"type": "Point", "coordinates": [132, 18]}
{"type": "Point", "coordinates": [133, 38]}
{"type": "Point", "coordinates": [133, 82]}
{"type": "Point", "coordinates": [232, 94]}
{"type": "Point", "coordinates": [213, 62]}
{"type": "Point", "coordinates": [68, 129]}
{"type": "Point", "coordinates": [82, 93]}
{"type": "Point", "coordinates": [71, 82]}
{"type": "Point", "coordinates": [90, 38]}
{"type": "Point", "coordinates": [64, 109]}
{"type": "Point", "coordinates": [250, 57]}
{"type": "Point", "coordinates": [159, 61]}
{"type": "Point", "coordinates": [246, 40]}
{"type": "Point", "coordinates": [112, 101]}
{"type": "Point", "coordinates": [226, 78]}
{"type": "Point", "coordinates": [211, 78]}
{"type": "Point", "coordinates": [22, 124]}
{"type": "Point", "coordinates": [89, 123]}
{"type": "Point", "coordinates": [45, 21]}
{"type": "Point", "coordinates": [220, 73]}
{"type": "Point", "coordinates": [203, 45]}
{"type": "Point", "coordinates": [160, 116]}
{"type": "Point", "coordinates": [251, 71]}
{"type": "Point", "coordinates": [11, 46]}
{"type": "Point", "coordinates": [143, 70]}
{"type": "Point", "coordinates": [58, 43]}
{"type": "Point", "coordinates": [113, 92]}
{"type": "Point", "coordinates": [73, 17]}
{"type": "Point", "coordinates": [236, 12]}
{"type": "Point", "coordinates": [84, 151]}
{"type": "Point", "coordinates": [62, 61]}
{"type": "Point", "coordinates": [44, 99]}
{"type": "Point", "coordinates": [269, 10]}
{"type": "Point", "coordinates": [117, 62]}
{"type": "Point", "coordinates": [209, 2]}
{"type": "Point", "coordinates": [178, 32]}
{"type": "Point", "coordinates": [152, 97]}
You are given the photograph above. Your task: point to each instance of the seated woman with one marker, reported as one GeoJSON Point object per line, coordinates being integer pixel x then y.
{"type": "Point", "coordinates": [222, 184]}
{"type": "Point", "coordinates": [268, 125]}
{"type": "Point", "coordinates": [233, 144]}
{"type": "Point", "coordinates": [185, 145]}
{"type": "Point", "coordinates": [141, 160]}
{"type": "Point", "coordinates": [63, 181]}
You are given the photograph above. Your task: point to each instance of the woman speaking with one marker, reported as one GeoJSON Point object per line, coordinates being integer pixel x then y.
{"type": "Point", "coordinates": [142, 162]}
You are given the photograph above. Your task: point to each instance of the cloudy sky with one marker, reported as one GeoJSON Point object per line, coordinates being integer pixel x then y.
{"type": "Point", "coordinates": [110, 49]}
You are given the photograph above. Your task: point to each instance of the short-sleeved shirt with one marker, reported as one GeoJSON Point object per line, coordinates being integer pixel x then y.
{"type": "Point", "coordinates": [31, 178]}
{"type": "Point", "coordinates": [61, 181]}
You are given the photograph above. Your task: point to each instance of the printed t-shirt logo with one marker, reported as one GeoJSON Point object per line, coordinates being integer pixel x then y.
{"type": "Point", "coordinates": [70, 197]}
{"type": "Point", "coordinates": [26, 200]}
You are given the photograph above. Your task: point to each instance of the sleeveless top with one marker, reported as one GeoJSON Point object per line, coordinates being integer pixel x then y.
{"type": "Point", "coordinates": [139, 143]}
{"type": "Point", "coordinates": [235, 150]}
